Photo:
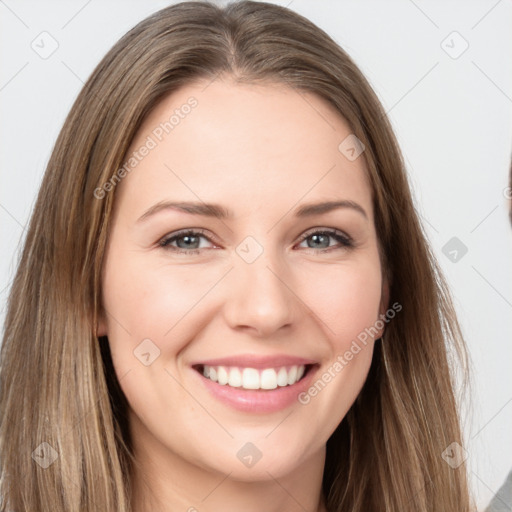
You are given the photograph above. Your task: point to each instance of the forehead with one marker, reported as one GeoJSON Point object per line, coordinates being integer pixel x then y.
{"type": "Point", "coordinates": [246, 144]}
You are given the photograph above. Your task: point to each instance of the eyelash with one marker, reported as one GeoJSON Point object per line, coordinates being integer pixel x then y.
{"type": "Point", "coordinates": [345, 241]}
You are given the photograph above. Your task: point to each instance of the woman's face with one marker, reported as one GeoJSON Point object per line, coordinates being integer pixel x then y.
{"type": "Point", "coordinates": [269, 292]}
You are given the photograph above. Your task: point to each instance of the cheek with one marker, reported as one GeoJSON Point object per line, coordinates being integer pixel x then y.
{"type": "Point", "coordinates": [345, 298]}
{"type": "Point", "coordinates": [166, 304]}
{"type": "Point", "coordinates": [150, 300]}
{"type": "Point", "coordinates": [151, 308]}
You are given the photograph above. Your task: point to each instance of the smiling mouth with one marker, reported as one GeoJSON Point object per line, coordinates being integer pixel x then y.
{"type": "Point", "coordinates": [252, 378]}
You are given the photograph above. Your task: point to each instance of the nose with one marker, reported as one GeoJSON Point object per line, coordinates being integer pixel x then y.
{"type": "Point", "coordinates": [260, 297]}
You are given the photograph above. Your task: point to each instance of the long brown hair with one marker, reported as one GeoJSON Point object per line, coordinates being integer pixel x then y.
{"type": "Point", "coordinates": [57, 382]}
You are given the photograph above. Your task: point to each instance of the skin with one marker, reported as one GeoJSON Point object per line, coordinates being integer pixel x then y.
{"type": "Point", "coordinates": [261, 151]}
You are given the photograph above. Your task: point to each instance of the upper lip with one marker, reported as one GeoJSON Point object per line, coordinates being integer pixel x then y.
{"type": "Point", "coordinates": [257, 362]}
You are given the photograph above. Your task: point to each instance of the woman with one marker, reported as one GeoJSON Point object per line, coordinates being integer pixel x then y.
{"type": "Point", "coordinates": [258, 370]}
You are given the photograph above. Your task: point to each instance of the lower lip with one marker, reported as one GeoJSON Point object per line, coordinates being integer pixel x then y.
{"type": "Point", "coordinates": [256, 400]}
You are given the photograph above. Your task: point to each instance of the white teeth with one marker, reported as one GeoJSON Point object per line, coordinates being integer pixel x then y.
{"type": "Point", "coordinates": [250, 378]}
{"type": "Point", "coordinates": [222, 375]}
{"type": "Point", "coordinates": [268, 379]}
{"type": "Point", "coordinates": [292, 375]}
{"type": "Point", "coordinates": [235, 378]}
{"type": "Point", "coordinates": [282, 377]}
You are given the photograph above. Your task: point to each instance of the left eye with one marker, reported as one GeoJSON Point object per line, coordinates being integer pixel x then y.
{"type": "Point", "coordinates": [319, 237]}
{"type": "Point", "coordinates": [189, 241]}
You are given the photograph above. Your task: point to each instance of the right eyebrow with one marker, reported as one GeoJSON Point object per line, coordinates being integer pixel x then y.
{"type": "Point", "coordinates": [194, 208]}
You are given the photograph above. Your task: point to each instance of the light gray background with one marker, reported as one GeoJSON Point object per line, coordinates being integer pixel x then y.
{"type": "Point", "coordinates": [452, 116]}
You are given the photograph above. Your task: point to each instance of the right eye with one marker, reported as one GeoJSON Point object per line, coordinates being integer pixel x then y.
{"type": "Point", "coordinates": [187, 241]}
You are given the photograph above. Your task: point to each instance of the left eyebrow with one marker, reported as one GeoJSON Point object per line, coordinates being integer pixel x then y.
{"type": "Point", "coordinates": [311, 209]}
{"type": "Point", "coordinates": [219, 212]}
